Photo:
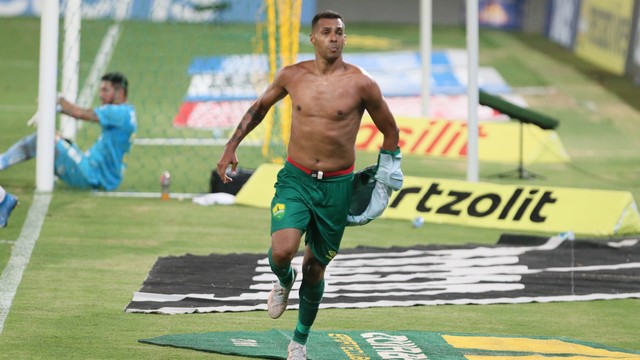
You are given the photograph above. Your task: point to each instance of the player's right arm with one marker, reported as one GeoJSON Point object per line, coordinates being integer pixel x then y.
{"type": "Point", "coordinates": [71, 109]}
{"type": "Point", "coordinates": [251, 119]}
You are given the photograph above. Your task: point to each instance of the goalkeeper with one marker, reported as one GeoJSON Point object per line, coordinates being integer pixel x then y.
{"type": "Point", "coordinates": [313, 190]}
{"type": "Point", "coordinates": [103, 166]}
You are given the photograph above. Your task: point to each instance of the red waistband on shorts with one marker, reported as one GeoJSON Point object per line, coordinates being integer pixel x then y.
{"type": "Point", "coordinates": [321, 174]}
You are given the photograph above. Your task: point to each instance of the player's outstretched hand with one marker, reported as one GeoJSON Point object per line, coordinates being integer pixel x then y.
{"type": "Point", "coordinates": [33, 121]}
{"type": "Point", "coordinates": [225, 160]}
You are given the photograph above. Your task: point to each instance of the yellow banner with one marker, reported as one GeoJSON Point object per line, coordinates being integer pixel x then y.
{"type": "Point", "coordinates": [603, 33]}
{"type": "Point", "coordinates": [258, 190]}
{"type": "Point", "coordinates": [513, 207]}
{"type": "Point", "coordinates": [497, 141]}
{"type": "Point", "coordinates": [487, 205]}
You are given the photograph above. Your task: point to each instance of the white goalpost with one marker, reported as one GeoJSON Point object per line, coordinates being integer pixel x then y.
{"type": "Point", "coordinates": [472, 90]}
{"type": "Point", "coordinates": [196, 50]}
{"type": "Point", "coordinates": [167, 46]}
{"type": "Point", "coordinates": [47, 95]}
{"type": "Point", "coordinates": [426, 22]}
{"type": "Point", "coordinates": [426, 15]}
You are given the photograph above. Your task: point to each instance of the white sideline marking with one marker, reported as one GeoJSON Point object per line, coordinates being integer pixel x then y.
{"type": "Point", "coordinates": [21, 253]}
{"type": "Point", "coordinates": [12, 273]}
{"type": "Point", "coordinates": [7, 242]}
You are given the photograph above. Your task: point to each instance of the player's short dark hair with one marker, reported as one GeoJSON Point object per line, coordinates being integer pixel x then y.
{"type": "Point", "coordinates": [118, 80]}
{"type": "Point", "coordinates": [326, 14]}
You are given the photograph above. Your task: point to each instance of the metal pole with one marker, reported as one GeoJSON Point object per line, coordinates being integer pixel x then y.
{"type": "Point", "coordinates": [426, 23]}
{"type": "Point", "coordinates": [472, 90]}
{"type": "Point", "coordinates": [47, 95]}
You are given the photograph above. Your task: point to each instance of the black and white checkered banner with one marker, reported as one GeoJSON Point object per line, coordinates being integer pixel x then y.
{"type": "Point", "coordinates": [518, 269]}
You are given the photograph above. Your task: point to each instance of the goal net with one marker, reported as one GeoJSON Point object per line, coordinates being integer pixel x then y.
{"type": "Point", "coordinates": [194, 68]}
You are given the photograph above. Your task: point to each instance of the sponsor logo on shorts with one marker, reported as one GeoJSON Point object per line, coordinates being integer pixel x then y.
{"type": "Point", "coordinates": [73, 153]}
{"type": "Point", "coordinates": [331, 255]}
{"type": "Point", "coordinates": [278, 211]}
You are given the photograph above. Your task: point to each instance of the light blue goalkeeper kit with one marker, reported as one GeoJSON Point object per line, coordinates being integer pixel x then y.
{"type": "Point", "coordinates": [103, 165]}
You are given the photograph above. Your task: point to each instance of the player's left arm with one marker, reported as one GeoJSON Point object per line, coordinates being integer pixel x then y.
{"type": "Point", "coordinates": [389, 172]}
{"type": "Point", "coordinates": [382, 117]}
{"type": "Point", "coordinates": [68, 108]}
{"type": "Point", "coordinates": [388, 175]}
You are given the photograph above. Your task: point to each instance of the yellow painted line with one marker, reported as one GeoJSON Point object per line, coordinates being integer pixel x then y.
{"type": "Point", "coordinates": [541, 346]}
{"type": "Point", "coordinates": [540, 357]}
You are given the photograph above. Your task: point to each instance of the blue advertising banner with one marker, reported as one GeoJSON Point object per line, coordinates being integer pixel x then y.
{"type": "Point", "coordinates": [397, 73]}
{"type": "Point", "coordinates": [501, 14]}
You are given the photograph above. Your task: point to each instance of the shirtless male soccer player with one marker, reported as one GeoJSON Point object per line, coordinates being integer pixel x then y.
{"type": "Point", "coordinates": [313, 190]}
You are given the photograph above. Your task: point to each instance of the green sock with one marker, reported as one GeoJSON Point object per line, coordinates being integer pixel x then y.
{"type": "Point", "coordinates": [284, 273]}
{"type": "Point", "coordinates": [301, 334]}
{"type": "Point", "coordinates": [310, 297]}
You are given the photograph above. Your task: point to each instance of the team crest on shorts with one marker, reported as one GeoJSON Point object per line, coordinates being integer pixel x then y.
{"type": "Point", "coordinates": [278, 211]}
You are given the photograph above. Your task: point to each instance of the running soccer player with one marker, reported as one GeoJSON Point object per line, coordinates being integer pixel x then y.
{"type": "Point", "coordinates": [103, 166]}
{"type": "Point", "coordinates": [313, 190]}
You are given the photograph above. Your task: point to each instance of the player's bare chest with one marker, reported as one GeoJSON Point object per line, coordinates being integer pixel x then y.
{"type": "Point", "coordinates": [327, 95]}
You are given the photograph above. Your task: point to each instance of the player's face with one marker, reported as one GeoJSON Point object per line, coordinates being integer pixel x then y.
{"type": "Point", "coordinates": [328, 38]}
{"type": "Point", "coordinates": [107, 93]}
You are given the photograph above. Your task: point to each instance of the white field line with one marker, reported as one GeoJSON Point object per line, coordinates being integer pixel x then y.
{"type": "Point", "coordinates": [21, 253]}
{"type": "Point", "coordinates": [12, 274]}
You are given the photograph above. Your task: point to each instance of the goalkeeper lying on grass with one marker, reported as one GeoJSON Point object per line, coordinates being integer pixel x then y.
{"type": "Point", "coordinates": [103, 166]}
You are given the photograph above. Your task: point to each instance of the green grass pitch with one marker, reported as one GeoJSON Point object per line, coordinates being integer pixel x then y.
{"type": "Point", "coordinates": [93, 252]}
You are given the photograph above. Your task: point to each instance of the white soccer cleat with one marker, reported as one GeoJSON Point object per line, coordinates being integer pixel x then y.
{"type": "Point", "coordinates": [6, 207]}
{"type": "Point", "coordinates": [296, 351]}
{"type": "Point", "coordinates": [279, 297]}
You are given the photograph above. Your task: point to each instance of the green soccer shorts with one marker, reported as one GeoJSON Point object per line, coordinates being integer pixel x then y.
{"type": "Point", "coordinates": [317, 207]}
